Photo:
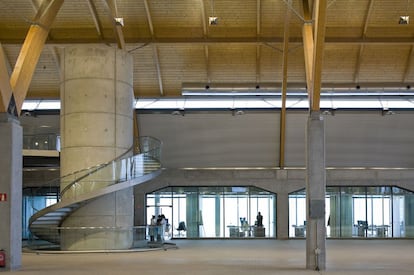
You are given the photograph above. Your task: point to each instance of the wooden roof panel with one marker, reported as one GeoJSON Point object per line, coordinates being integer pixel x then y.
{"type": "Point", "coordinates": [244, 47]}
{"type": "Point", "coordinates": [233, 63]}
{"type": "Point", "coordinates": [384, 62]}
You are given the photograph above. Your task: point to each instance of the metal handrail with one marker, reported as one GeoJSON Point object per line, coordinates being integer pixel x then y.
{"type": "Point", "coordinates": [154, 146]}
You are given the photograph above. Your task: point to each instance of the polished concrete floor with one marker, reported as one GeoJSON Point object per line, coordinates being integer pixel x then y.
{"type": "Point", "coordinates": [234, 257]}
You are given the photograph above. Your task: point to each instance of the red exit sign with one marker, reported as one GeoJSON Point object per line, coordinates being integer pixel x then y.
{"type": "Point", "coordinates": [3, 196]}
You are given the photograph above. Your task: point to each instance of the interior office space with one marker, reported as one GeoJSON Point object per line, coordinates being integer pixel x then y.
{"type": "Point", "coordinates": [293, 96]}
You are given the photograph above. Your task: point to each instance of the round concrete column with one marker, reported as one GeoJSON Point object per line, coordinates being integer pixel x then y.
{"type": "Point", "coordinates": [96, 127]}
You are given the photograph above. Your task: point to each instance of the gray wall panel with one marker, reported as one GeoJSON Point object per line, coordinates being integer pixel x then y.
{"type": "Point", "coordinates": [218, 139]}
{"type": "Point", "coordinates": [295, 139]}
{"type": "Point", "coordinates": [370, 140]}
{"type": "Point", "coordinates": [215, 139]}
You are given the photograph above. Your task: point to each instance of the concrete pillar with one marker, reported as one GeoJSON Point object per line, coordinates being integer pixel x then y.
{"type": "Point", "coordinates": [335, 216]}
{"type": "Point", "coordinates": [315, 193]}
{"type": "Point", "coordinates": [347, 223]}
{"type": "Point", "coordinates": [192, 215]}
{"type": "Point", "coordinates": [140, 208]}
{"type": "Point", "coordinates": [11, 134]}
{"type": "Point", "coordinates": [282, 216]}
{"type": "Point", "coordinates": [218, 215]}
{"type": "Point", "coordinates": [96, 127]}
{"type": "Point", "coordinates": [139, 216]}
{"type": "Point", "coordinates": [409, 216]}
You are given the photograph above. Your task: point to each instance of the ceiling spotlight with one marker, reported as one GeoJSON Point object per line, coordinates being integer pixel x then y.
{"type": "Point", "coordinates": [119, 21]}
{"type": "Point", "coordinates": [213, 20]}
{"type": "Point", "coordinates": [404, 20]}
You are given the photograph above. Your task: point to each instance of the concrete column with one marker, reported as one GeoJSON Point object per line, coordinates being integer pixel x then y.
{"type": "Point", "coordinates": [335, 216]}
{"type": "Point", "coordinates": [140, 208]}
{"type": "Point", "coordinates": [139, 216]}
{"type": "Point", "coordinates": [409, 216]}
{"type": "Point", "coordinates": [217, 215]}
{"type": "Point", "coordinates": [315, 193]}
{"type": "Point", "coordinates": [11, 134]}
{"type": "Point", "coordinates": [282, 216]}
{"type": "Point", "coordinates": [192, 215]}
{"type": "Point", "coordinates": [346, 217]}
{"type": "Point", "coordinates": [97, 127]}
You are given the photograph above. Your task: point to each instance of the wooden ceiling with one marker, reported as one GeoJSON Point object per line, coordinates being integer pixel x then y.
{"type": "Point", "coordinates": [173, 43]}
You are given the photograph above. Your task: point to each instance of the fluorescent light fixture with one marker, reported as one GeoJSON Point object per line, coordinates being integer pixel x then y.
{"type": "Point", "coordinates": [230, 93]}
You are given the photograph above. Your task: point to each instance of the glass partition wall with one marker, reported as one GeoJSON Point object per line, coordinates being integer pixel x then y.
{"type": "Point", "coordinates": [35, 199]}
{"type": "Point", "coordinates": [364, 212]}
{"type": "Point", "coordinates": [215, 212]}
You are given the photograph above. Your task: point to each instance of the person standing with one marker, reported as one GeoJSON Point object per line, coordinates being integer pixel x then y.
{"type": "Point", "coordinates": [259, 219]}
{"type": "Point", "coordinates": [152, 228]}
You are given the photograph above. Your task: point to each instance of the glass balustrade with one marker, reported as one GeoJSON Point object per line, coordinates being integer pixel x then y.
{"type": "Point", "coordinates": [92, 180]}
{"type": "Point", "coordinates": [145, 236]}
{"type": "Point", "coordinates": [122, 169]}
{"type": "Point", "coordinates": [41, 142]}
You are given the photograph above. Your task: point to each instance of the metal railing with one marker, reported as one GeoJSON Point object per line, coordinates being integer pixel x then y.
{"type": "Point", "coordinates": [87, 184]}
{"type": "Point", "coordinates": [41, 142]}
{"type": "Point", "coordinates": [145, 236]}
{"type": "Point", "coordinates": [118, 170]}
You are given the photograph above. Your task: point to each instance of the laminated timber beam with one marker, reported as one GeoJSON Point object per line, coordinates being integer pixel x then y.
{"type": "Point", "coordinates": [30, 52]}
{"type": "Point", "coordinates": [154, 48]}
{"type": "Point", "coordinates": [205, 36]}
{"type": "Point", "coordinates": [5, 87]}
{"type": "Point", "coordinates": [95, 18]}
{"type": "Point", "coordinates": [361, 47]}
{"type": "Point", "coordinates": [313, 50]}
{"type": "Point", "coordinates": [284, 88]}
{"type": "Point", "coordinates": [118, 23]}
{"type": "Point", "coordinates": [66, 38]}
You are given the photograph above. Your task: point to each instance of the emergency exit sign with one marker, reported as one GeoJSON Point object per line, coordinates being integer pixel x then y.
{"type": "Point", "coordinates": [3, 197]}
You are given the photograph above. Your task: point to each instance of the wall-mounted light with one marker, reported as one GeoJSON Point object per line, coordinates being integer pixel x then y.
{"type": "Point", "coordinates": [178, 113]}
{"type": "Point", "coordinates": [387, 112]}
{"type": "Point", "coordinates": [330, 112]}
{"type": "Point", "coordinates": [237, 112]}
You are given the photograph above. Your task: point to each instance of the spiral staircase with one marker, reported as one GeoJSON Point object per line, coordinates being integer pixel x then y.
{"type": "Point", "coordinates": [123, 172]}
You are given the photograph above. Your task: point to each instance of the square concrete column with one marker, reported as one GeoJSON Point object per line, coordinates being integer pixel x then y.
{"type": "Point", "coordinates": [282, 215]}
{"type": "Point", "coordinates": [11, 134]}
{"type": "Point", "coordinates": [315, 193]}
